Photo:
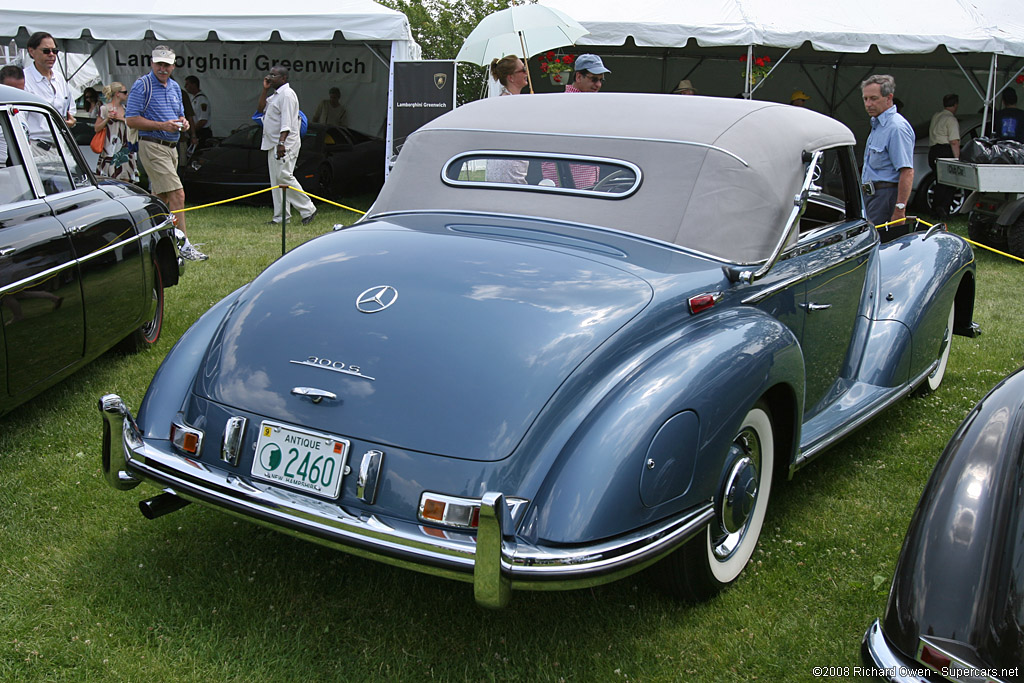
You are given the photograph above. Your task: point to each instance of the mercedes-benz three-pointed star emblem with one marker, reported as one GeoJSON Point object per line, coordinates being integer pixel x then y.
{"type": "Point", "coordinates": [376, 299]}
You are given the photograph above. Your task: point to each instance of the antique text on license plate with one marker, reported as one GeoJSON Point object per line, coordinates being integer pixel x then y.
{"type": "Point", "coordinates": [301, 459]}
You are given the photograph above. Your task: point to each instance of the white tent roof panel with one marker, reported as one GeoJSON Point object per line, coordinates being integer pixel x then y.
{"type": "Point", "coordinates": [232, 20]}
{"type": "Point", "coordinates": [918, 26]}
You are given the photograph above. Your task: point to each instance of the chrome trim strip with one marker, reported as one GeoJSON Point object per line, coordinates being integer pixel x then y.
{"type": "Point", "coordinates": [50, 272]}
{"type": "Point", "coordinates": [958, 663]}
{"type": "Point", "coordinates": [398, 542]}
{"type": "Point", "coordinates": [688, 143]}
{"type": "Point", "coordinates": [792, 226]}
{"type": "Point", "coordinates": [816, 449]}
{"type": "Point", "coordinates": [763, 294]}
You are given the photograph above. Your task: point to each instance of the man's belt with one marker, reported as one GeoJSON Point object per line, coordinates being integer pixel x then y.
{"type": "Point", "coordinates": [167, 143]}
{"type": "Point", "coordinates": [870, 186]}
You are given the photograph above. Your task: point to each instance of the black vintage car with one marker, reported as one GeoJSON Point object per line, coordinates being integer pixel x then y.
{"type": "Point", "coordinates": [83, 263]}
{"type": "Point", "coordinates": [333, 162]}
{"type": "Point", "coordinates": [956, 608]}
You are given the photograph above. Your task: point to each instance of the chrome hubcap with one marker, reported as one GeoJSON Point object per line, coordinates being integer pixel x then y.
{"type": "Point", "coordinates": [739, 493]}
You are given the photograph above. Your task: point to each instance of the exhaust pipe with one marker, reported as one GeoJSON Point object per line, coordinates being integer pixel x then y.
{"type": "Point", "coordinates": [161, 505]}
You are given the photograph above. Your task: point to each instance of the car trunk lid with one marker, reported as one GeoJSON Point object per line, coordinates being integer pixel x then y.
{"type": "Point", "coordinates": [458, 342]}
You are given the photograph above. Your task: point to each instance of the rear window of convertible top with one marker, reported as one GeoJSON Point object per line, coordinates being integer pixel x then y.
{"type": "Point", "coordinates": [566, 174]}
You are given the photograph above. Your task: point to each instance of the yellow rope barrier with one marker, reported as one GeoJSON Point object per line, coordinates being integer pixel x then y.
{"type": "Point", "coordinates": [1001, 253]}
{"type": "Point", "coordinates": [268, 189]}
{"type": "Point", "coordinates": [969, 241]}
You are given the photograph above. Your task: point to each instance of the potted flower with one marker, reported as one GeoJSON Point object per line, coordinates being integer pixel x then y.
{"type": "Point", "coordinates": [758, 70]}
{"type": "Point", "coordinates": [556, 67]}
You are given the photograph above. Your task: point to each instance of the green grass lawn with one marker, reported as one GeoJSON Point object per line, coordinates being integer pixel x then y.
{"type": "Point", "coordinates": [91, 591]}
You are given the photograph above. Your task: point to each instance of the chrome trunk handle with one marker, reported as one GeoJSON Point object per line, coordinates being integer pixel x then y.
{"type": "Point", "coordinates": [314, 394]}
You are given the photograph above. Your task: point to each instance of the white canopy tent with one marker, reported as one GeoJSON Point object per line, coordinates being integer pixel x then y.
{"type": "Point", "coordinates": [229, 46]}
{"type": "Point", "coordinates": [822, 48]}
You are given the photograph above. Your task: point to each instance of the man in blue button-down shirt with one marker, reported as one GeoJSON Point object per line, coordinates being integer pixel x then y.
{"type": "Point", "coordinates": [888, 174]}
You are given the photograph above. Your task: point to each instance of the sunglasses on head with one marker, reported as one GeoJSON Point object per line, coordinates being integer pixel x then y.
{"type": "Point", "coordinates": [49, 50]}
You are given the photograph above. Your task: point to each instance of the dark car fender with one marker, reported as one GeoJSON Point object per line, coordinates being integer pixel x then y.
{"type": "Point", "coordinates": [958, 580]}
{"type": "Point", "coordinates": [920, 277]}
{"type": "Point", "coordinates": [169, 389]}
{"type": "Point", "coordinates": [680, 408]}
{"type": "Point", "coordinates": [152, 222]}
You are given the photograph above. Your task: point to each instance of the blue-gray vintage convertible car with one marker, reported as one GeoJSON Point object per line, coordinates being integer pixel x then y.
{"type": "Point", "coordinates": [956, 608]}
{"type": "Point", "coordinates": [575, 335]}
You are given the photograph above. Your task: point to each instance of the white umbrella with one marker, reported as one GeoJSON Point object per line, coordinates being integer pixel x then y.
{"type": "Point", "coordinates": [522, 30]}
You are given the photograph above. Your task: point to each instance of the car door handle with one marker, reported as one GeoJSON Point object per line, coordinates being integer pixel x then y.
{"type": "Point", "coordinates": [7, 251]}
{"type": "Point", "coordinates": [75, 229]}
{"type": "Point", "coordinates": [810, 306]}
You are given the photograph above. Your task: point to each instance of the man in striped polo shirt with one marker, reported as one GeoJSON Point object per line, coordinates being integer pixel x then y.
{"type": "Point", "coordinates": [155, 109]}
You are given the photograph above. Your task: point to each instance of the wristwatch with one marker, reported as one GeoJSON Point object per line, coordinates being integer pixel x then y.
{"type": "Point", "coordinates": [901, 206]}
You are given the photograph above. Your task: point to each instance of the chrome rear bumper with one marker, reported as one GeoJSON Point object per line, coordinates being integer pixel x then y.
{"type": "Point", "coordinates": [884, 663]}
{"type": "Point", "coordinates": [495, 562]}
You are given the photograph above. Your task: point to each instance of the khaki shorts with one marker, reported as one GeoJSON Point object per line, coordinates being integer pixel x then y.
{"type": "Point", "coordinates": [161, 164]}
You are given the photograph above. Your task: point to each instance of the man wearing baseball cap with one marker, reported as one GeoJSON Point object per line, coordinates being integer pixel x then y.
{"type": "Point", "coordinates": [155, 109]}
{"type": "Point", "coordinates": [588, 74]}
{"type": "Point", "coordinates": [799, 98]}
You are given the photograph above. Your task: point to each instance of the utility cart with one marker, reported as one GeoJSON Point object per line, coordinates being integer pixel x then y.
{"type": "Point", "coordinates": [996, 203]}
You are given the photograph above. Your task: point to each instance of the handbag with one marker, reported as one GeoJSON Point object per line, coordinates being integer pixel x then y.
{"type": "Point", "coordinates": [98, 141]}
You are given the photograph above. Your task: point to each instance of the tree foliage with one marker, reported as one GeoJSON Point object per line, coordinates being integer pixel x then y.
{"type": "Point", "coordinates": [441, 26]}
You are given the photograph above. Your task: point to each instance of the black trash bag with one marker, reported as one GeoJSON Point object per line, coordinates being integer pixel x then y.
{"type": "Point", "coordinates": [989, 151]}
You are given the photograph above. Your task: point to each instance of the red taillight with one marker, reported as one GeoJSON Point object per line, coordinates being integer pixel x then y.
{"type": "Point", "coordinates": [703, 302]}
{"type": "Point", "coordinates": [934, 658]}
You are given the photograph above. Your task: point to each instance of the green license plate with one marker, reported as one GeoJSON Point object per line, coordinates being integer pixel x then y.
{"type": "Point", "coordinates": [300, 459]}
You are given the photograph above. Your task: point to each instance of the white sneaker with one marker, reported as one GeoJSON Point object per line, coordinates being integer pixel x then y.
{"type": "Point", "coordinates": [190, 253]}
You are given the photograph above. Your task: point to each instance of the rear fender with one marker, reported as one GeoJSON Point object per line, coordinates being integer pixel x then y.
{"type": "Point", "coordinates": [170, 386]}
{"type": "Point", "coordinates": [681, 408]}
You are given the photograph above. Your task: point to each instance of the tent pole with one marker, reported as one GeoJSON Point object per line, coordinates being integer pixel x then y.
{"type": "Point", "coordinates": [973, 82]}
{"type": "Point", "coordinates": [746, 81]}
{"type": "Point", "coordinates": [783, 57]}
{"type": "Point", "coordinates": [835, 86]}
{"type": "Point", "coordinates": [988, 91]}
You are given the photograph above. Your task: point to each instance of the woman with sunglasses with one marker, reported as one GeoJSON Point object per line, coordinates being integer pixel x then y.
{"type": "Point", "coordinates": [118, 157]}
{"type": "Point", "coordinates": [510, 73]}
{"type": "Point", "coordinates": [43, 80]}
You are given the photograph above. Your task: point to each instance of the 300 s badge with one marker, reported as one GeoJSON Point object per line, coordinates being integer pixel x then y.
{"type": "Point", "coordinates": [333, 365]}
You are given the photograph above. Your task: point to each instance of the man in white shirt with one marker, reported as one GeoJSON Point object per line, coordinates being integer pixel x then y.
{"type": "Point", "coordinates": [944, 143]}
{"type": "Point", "coordinates": [43, 80]}
{"type": "Point", "coordinates": [281, 139]}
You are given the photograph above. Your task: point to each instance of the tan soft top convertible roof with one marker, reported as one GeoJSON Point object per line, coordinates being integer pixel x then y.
{"type": "Point", "coordinates": [719, 175]}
